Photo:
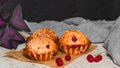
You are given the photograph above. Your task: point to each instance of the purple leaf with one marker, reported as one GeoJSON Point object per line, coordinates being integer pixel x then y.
{"type": "Point", "coordinates": [6, 43]}
{"type": "Point", "coordinates": [17, 20]}
{"type": "Point", "coordinates": [10, 38]}
{"type": "Point", "coordinates": [14, 43]}
{"type": "Point", "coordinates": [1, 32]}
{"type": "Point", "coordinates": [11, 33]}
{"type": "Point", "coordinates": [6, 15]}
{"type": "Point", "coordinates": [2, 2]}
{"type": "Point", "coordinates": [2, 22]}
{"type": "Point", "coordinates": [10, 43]}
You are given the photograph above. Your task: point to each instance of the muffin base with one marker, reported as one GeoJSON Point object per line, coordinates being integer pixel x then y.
{"type": "Point", "coordinates": [74, 50]}
{"type": "Point", "coordinates": [39, 57]}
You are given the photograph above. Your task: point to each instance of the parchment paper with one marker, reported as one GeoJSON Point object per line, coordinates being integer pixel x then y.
{"type": "Point", "coordinates": [18, 55]}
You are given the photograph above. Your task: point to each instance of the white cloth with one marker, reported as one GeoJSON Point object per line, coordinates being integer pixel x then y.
{"type": "Point", "coordinates": [80, 62]}
{"type": "Point", "coordinates": [112, 43]}
{"type": "Point", "coordinates": [59, 27]}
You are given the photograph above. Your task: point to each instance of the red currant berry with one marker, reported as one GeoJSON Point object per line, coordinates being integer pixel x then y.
{"type": "Point", "coordinates": [48, 46]}
{"type": "Point", "coordinates": [98, 58]}
{"type": "Point", "coordinates": [74, 39]}
{"type": "Point", "coordinates": [60, 63]}
{"type": "Point", "coordinates": [67, 57]}
{"type": "Point", "coordinates": [90, 58]}
{"type": "Point", "coordinates": [58, 59]}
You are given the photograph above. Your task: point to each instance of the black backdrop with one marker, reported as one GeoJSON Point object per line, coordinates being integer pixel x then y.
{"type": "Point", "coordinates": [38, 10]}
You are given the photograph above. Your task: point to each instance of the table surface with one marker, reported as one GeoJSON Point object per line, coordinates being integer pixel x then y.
{"type": "Point", "coordinates": [81, 62]}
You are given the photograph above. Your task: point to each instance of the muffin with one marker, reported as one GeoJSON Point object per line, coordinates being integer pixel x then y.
{"type": "Point", "coordinates": [74, 42]}
{"type": "Point", "coordinates": [40, 49]}
{"type": "Point", "coordinates": [44, 32]}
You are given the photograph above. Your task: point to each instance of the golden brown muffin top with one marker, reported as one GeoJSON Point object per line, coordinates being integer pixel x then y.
{"type": "Point", "coordinates": [41, 45]}
{"type": "Point", "coordinates": [73, 37]}
{"type": "Point", "coordinates": [44, 32]}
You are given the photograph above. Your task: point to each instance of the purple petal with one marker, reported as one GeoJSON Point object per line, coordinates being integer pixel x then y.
{"type": "Point", "coordinates": [2, 22]}
{"type": "Point", "coordinates": [17, 19]}
{"type": "Point", "coordinates": [11, 33]}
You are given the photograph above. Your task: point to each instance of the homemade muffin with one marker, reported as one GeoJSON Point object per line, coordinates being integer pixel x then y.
{"type": "Point", "coordinates": [40, 49]}
{"type": "Point", "coordinates": [74, 42]}
{"type": "Point", "coordinates": [44, 32]}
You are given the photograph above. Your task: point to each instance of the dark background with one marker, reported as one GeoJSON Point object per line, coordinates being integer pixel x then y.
{"type": "Point", "coordinates": [39, 10]}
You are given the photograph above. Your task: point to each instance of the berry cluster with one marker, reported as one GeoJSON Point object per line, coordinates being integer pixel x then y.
{"type": "Point", "coordinates": [91, 58]}
{"type": "Point", "coordinates": [59, 61]}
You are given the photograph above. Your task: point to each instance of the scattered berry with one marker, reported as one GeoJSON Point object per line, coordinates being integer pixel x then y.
{"type": "Point", "coordinates": [98, 58]}
{"type": "Point", "coordinates": [67, 57]}
{"type": "Point", "coordinates": [58, 59]}
{"type": "Point", "coordinates": [90, 58]}
{"type": "Point", "coordinates": [60, 63]}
